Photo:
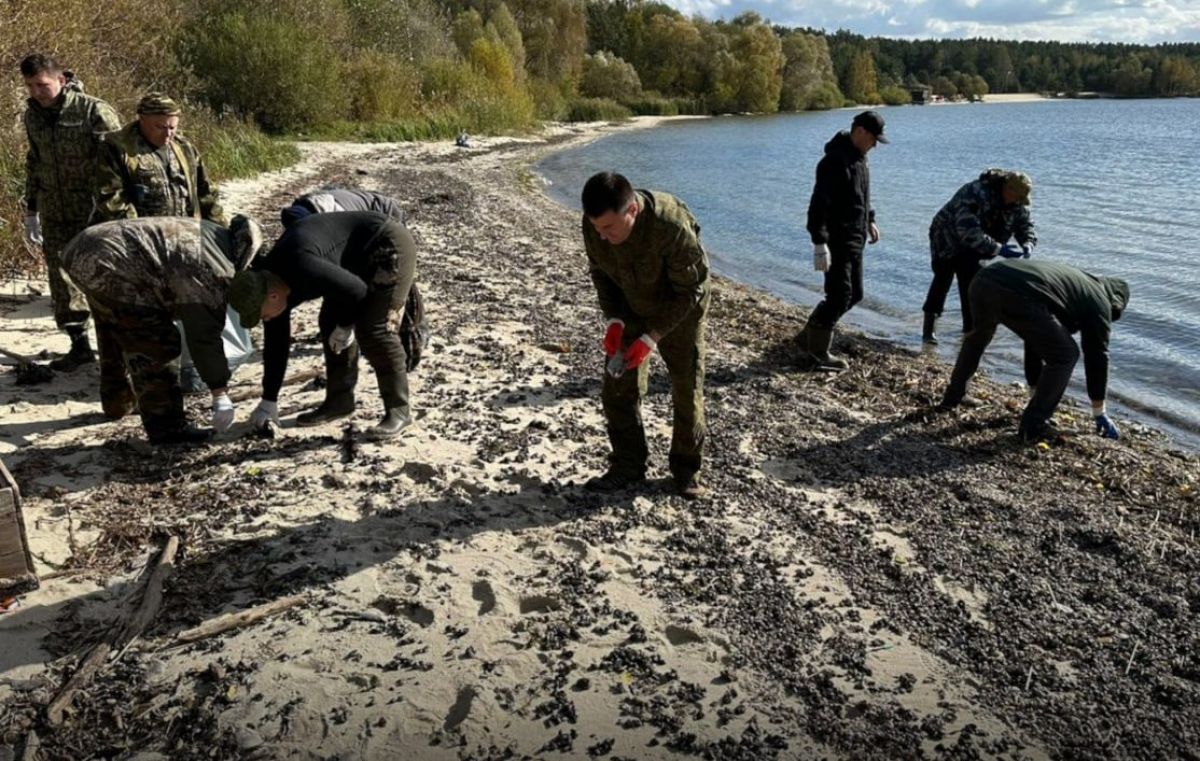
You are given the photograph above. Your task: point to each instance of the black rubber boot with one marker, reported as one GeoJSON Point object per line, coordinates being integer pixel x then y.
{"type": "Point", "coordinates": [330, 410]}
{"type": "Point", "coordinates": [819, 341]}
{"type": "Point", "coordinates": [394, 421]}
{"type": "Point", "coordinates": [614, 480]}
{"type": "Point", "coordinates": [928, 334]}
{"type": "Point", "coordinates": [80, 354]}
{"type": "Point", "coordinates": [186, 434]}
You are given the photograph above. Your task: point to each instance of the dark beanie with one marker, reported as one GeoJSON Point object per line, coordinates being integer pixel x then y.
{"type": "Point", "coordinates": [293, 214]}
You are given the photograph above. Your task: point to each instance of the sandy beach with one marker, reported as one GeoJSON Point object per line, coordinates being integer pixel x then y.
{"type": "Point", "coordinates": [867, 580]}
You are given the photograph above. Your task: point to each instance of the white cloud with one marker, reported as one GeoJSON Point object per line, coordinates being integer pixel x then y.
{"type": "Point", "coordinates": [1138, 21]}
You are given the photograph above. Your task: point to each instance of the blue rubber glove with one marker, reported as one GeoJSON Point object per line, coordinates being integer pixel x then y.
{"type": "Point", "coordinates": [1009, 251]}
{"type": "Point", "coordinates": [1026, 250]}
{"type": "Point", "coordinates": [1106, 427]}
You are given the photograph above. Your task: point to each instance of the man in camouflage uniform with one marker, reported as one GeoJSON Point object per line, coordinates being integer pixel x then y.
{"type": "Point", "coordinates": [147, 169]}
{"type": "Point", "coordinates": [651, 275]}
{"type": "Point", "coordinates": [141, 275]}
{"type": "Point", "coordinates": [64, 128]}
{"type": "Point", "coordinates": [975, 225]}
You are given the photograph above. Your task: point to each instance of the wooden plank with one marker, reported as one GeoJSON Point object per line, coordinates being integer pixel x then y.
{"type": "Point", "coordinates": [16, 563]}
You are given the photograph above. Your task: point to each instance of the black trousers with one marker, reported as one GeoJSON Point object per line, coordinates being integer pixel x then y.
{"type": "Point", "coordinates": [1050, 351]}
{"type": "Point", "coordinates": [843, 285]}
{"type": "Point", "coordinates": [965, 268]}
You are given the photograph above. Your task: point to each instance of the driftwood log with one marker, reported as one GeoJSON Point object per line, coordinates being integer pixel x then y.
{"type": "Point", "coordinates": [237, 620]}
{"type": "Point", "coordinates": [16, 562]}
{"type": "Point", "coordinates": [119, 636]}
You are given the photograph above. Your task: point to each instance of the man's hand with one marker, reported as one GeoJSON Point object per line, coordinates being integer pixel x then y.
{"type": "Point", "coordinates": [33, 231]}
{"type": "Point", "coordinates": [613, 336]}
{"type": "Point", "coordinates": [265, 412]}
{"type": "Point", "coordinates": [873, 233]}
{"type": "Point", "coordinates": [821, 257]}
{"type": "Point", "coordinates": [1106, 427]}
{"type": "Point", "coordinates": [1009, 251]}
{"type": "Point", "coordinates": [222, 413]}
{"type": "Point", "coordinates": [1026, 250]}
{"type": "Point", "coordinates": [340, 339]}
{"type": "Point", "coordinates": [637, 352]}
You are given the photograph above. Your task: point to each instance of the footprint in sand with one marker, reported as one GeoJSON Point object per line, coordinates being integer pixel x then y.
{"type": "Point", "coordinates": [539, 604]}
{"type": "Point", "coordinates": [679, 636]}
{"type": "Point", "coordinates": [460, 710]}
{"type": "Point", "coordinates": [484, 595]}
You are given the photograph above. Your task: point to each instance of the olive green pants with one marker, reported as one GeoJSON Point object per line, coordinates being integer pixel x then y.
{"type": "Point", "coordinates": [70, 305]}
{"type": "Point", "coordinates": [139, 361]}
{"type": "Point", "coordinates": [682, 351]}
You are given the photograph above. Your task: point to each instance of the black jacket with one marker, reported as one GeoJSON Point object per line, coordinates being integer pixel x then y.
{"type": "Point", "coordinates": [839, 212]}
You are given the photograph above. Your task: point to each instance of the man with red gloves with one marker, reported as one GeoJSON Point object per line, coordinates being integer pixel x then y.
{"type": "Point", "coordinates": [651, 275]}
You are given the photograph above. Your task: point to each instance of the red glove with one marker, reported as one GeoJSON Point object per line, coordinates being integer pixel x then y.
{"type": "Point", "coordinates": [638, 351]}
{"type": "Point", "coordinates": [613, 336]}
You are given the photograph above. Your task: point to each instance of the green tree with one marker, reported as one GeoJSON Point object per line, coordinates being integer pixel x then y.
{"type": "Point", "coordinates": [606, 76]}
{"type": "Point", "coordinates": [1175, 76]}
{"type": "Point", "coordinates": [808, 79]}
{"type": "Point", "coordinates": [862, 84]}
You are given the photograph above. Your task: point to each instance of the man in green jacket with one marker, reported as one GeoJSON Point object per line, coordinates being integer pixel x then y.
{"type": "Point", "coordinates": [1044, 303]}
{"type": "Point", "coordinates": [64, 128]}
{"type": "Point", "coordinates": [651, 276]}
{"type": "Point", "coordinates": [147, 169]}
{"type": "Point", "coordinates": [142, 275]}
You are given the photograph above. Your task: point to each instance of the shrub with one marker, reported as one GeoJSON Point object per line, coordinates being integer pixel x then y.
{"type": "Point", "coordinates": [652, 105]}
{"type": "Point", "coordinates": [272, 69]}
{"type": "Point", "coordinates": [596, 110]}
{"type": "Point", "coordinates": [550, 104]}
{"type": "Point", "coordinates": [382, 88]}
{"type": "Point", "coordinates": [895, 95]}
{"type": "Point", "coordinates": [607, 76]}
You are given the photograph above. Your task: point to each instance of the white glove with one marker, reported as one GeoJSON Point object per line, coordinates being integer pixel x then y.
{"type": "Point", "coordinates": [33, 230]}
{"type": "Point", "coordinates": [340, 339]}
{"type": "Point", "coordinates": [222, 413]}
{"type": "Point", "coordinates": [821, 257]}
{"type": "Point", "coordinates": [265, 412]}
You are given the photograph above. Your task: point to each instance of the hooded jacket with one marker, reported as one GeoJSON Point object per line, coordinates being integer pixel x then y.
{"type": "Point", "coordinates": [335, 199]}
{"type": "Point", "coordinates": [839, 212]}
{"type": "Point", "coordinates": [1084, 303]}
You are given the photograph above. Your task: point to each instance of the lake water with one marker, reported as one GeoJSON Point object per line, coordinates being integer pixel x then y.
{"type": "Point", "coordinates": [1115, 193]}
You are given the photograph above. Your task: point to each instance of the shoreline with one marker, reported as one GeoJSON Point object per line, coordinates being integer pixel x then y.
{"type": "Point", "coordinates": [865, 581]}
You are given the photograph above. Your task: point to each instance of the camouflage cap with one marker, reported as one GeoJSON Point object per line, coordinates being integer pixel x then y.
{"type": "Point", "coordinates": [1019, 184]}
{"type": "Point", "coordinates": [158, 103]}
{"type": "Point", "coordinates": [247, 291]}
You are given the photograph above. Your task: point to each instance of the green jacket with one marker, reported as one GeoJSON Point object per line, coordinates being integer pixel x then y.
{"type": "Point", "coordinates": [60, 168]}
{"type": "Point", "coordinates": [135, 179]}
{"type": "Point", "coordinates": [162, 264]}
{"type": "Point", "coordinates": [658, 275]}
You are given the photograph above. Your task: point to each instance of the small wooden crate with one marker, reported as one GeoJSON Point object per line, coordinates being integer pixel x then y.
{"type": "Point", "coordinates": [16, 564]}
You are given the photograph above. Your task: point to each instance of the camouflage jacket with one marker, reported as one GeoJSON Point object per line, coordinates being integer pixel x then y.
{"type": "Point", "coordinates": [975, 222]}
{"type": "Point", "coordinates": [657, 276]}
{"type": "Point", "coordinates": [60, 168]}
{"type": "Point", "coordinates": [135, 179]}
{"type": "Point", "coordinates": [174, 265]}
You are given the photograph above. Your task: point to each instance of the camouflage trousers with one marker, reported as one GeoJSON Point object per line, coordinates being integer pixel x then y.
{"type": "Point", "coordinates": [376, 326]}
{"type": "Point", "coordinates": [70, 305]}
{"type": "Point", "coordinates": [682, 351]}
{"type": "Point", "coordinates": [139, 364]}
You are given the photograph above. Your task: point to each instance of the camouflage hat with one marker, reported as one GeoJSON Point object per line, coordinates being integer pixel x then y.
{"type": "Point", "coordinates": [247, 291]}
{"type": "Point", "coordinates": [158, 103]}
{"type": "Point", "coordinates": [1019, 184]}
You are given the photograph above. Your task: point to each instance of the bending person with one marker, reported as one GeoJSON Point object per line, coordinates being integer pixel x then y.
{"type": "Point", "coordinates": [140, 276]}
{"type": "Point", "coordinates": [1044, 303]}
{"type": "Point", "coordinates": [361, 265]}
{"type": "Point", "coordinates": [974, 225]}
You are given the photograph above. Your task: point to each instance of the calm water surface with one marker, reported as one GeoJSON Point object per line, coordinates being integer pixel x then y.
{"type": "Point", "coordinates": [1115, 186]}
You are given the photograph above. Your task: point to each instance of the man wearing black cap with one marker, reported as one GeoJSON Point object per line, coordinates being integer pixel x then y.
{"type": "Point", "coordinates": [840, 221]}
{"type": "Point", "coordinates": [1044, 303]}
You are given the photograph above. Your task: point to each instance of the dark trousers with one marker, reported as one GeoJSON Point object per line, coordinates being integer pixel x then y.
{"type": "Point", "coordinates": [944, 271]}
{"type": "Point", "coordinates": [682, 351]}
{"type": "Point", "coordinates": [843, 285]}
{"type": "Point", "coordinates": [1050, 352]}
{"type": "Point", "coordinates": [376, 326]}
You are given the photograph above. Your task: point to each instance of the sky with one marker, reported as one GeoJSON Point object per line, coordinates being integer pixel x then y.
{"type": "Point", "coordinates": [1135, 21]}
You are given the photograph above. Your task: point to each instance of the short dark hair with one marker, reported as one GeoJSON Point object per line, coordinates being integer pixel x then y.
{"type": "Point", "coordinates": [605, 192]}
{"type": "Point", "coordinates": [36, 63]}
